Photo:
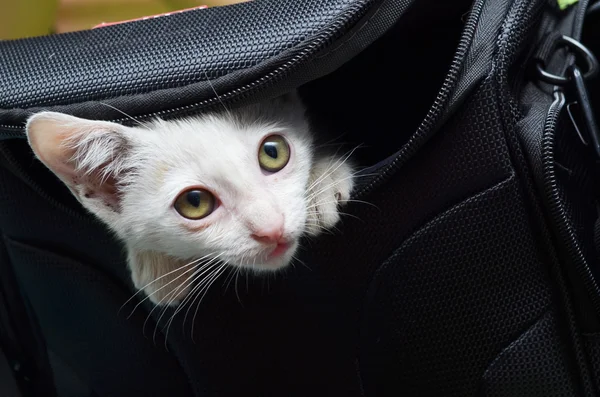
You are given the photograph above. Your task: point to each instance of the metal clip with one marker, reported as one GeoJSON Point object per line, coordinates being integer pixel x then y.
{"type": "Point", "coordinates": [574, 122]}
{"type": "Point", "coordinates": [587, 113]}
{"type": "Point", "coordinates": [578, 49]}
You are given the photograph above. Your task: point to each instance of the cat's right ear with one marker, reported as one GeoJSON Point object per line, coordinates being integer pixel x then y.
{"type": "Point", "coordinates": [90, 157]}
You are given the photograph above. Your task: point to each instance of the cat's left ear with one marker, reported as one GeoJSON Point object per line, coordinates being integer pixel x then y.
{"type": "Point", "coordinates": [90, 157]}
{"type": "Point", "coordinates": [292, 100]}
{"type": "Point", "coordinates": [290, 104]}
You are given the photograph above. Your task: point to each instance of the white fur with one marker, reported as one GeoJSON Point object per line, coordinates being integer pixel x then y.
{"type": "Point", "coordinates": [130, 177]}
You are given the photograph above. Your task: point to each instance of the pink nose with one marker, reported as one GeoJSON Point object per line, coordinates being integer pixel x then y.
{"type": "Point", "coordinates": [268, 235]}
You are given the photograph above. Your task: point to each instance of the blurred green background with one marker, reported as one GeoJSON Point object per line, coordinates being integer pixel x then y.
{"type": "Point", "coordinates": [27, 18]}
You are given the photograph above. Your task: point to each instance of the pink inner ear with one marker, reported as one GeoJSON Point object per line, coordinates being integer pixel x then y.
{"type": "Point", "coordinates": [94, 186]}
{"type": "Point", "coordinates": [86, 185]}
{"type": "Point", "coordinates": [49, 135]}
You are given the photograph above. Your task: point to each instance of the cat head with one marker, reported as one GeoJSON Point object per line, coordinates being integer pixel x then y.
{"type": "Point", "coordinates": [230, 185]}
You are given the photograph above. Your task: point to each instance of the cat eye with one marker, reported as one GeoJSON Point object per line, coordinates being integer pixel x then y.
{"type": "Point", "coordinates": [195, 204]}
{"type": "Point", "coordinates": [274, 153]}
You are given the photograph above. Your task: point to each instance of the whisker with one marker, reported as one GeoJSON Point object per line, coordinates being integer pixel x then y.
{"type": "Point", "coordinates": [357, 174]}
{"type": "Point", "coordinates": [295, 258]}
{"type": "Point", "coordinates": [343, 201]}
{"type": "Point", "coordinates": [313, 194]}
{"type": "Point", "coordinates": [124, 114]}
{"type": "Point", "coordinates": [185, 301]}
{"type": "Point", "coordinates": [215, 264]}
{"type": "Point", "coordinates": [329, 186]}
{"type": "Point", "coordinates": [206, 288]}
{"type": "Point", "coordinates": [327, 172]}
{"type": "Point", "coordinates": [360, 202]}
{"type": "Point", "coordinates": [247, 286]}
{"type": "Point", "coordinates": [212, 87]}
{"type": "Point", "coordinates": [335, 212]}
{"type": "Point", "coordinates": [152, 311]}
{"type": "Point", "coordinates": [237, 273]}
{"type": "Point", "coordinates": [323, 228]}
{"type": "Point", "coordinates": [173, 296]}
{"type": "Point", "coordinates": [140, 290]}
{"type": "Point", "coordinates": [206, 268]}
{"type": "Point", "coordinates": [168, 296]}
{"type": "Point", "coordinates": [228, 279]}
{"type": "Point", "coordinates": [192, 263]}
{"type": "Point", "coordinates": [159, 289]}
{"type": "Point", "coordinates": [188, 298]}
{"type": "Point", "coordinates": [331, 141]}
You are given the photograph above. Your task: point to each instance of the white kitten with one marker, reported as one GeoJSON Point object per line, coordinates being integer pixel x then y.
{"type": "Point", "coordinates": [237, 187]}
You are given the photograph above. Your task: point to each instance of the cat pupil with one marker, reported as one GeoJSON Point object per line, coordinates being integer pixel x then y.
{"type": "Point", "coordinates": [194, 198]}
{"type": "Point", "coordinates": [271, 149]}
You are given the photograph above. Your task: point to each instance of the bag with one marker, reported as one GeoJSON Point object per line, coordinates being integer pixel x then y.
{"type": "Point", "coordinates": [473, 271]}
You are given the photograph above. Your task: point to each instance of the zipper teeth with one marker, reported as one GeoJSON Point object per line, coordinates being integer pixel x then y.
{"type": "Point", "coordinates": [435, 112]}
{"type": "Point", "coordinates": [11, 134]}
{"type": "Point", "coordinates": [580, 18]}
{"type": "Point", "coordinates": [557, 211]}
{"type": "Point", "coordinates": [326, 37]}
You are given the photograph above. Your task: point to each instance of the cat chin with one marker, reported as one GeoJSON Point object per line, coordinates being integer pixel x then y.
{"type": "Point", "coordinates": [273, 264]}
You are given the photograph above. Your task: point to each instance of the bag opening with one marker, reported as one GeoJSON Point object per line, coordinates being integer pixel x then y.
{"type": "Point", "coordinates": [378, 99]}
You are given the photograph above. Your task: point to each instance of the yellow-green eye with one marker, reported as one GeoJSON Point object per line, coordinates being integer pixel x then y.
{"type": "Point", "coordinates": [274, 153]}
{"type": "Point", "coordinates": [195, 204]}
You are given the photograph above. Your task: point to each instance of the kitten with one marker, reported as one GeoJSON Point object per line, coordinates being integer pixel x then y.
{"type": "Point", "coordinates": [239, 187]}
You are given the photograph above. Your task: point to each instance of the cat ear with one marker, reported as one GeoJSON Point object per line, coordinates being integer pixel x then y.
{"type": "Point", "coordinates": [290, 105]}
{"type": "Point", "coordinates": [291, 101]}
{"type": "Point", "coordinates": [292, 98]}
{"type": "Point", "coordinates": [164, 279]}
{"type": "Point", "coordinates": [90, 157]}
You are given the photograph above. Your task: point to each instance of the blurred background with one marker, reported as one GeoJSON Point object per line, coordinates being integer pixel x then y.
{"type": "Point", "coordinates": [27, 18]}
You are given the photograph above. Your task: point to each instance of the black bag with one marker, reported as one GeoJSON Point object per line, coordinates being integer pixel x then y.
{"type": "Point", "coordinates": [474, 271]}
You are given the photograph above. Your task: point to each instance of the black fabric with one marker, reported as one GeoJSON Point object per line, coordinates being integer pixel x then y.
{"type": "Point", "coordinates": [597, 238]}
{"type": "Point", "coordinates": [592, 343]}
{"type": "Point", "coordinates": [69, 326]}
{"type": "Point", "coordinates": [534, 364]}
{"type": "Point", "coordinates": [451, 281]}
{"type": "Point", "coordinates": [546, 49]}
{"type": "Point", "coordinates": [20, 337]}
{"type": "Point", "coordinates": [193, 46]}
{"type": "Point", "coordinates": [8, 385]}
{"type": "Point", "coordinates": [67, 381]}
{"type": "Point", "coordinates": [471, 260]}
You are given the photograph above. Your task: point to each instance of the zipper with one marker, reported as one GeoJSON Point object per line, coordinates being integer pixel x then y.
{"type": "Point", "coordinates": [581, 11]}
{"type": "Point", "coordinates": [321, 42]}
{"type": "Point", "coordinates": [426, 128]}
{"type": "Point", "coordinates": [557, 212]}
{"type": "Point", "coordinates": [4, 135]}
